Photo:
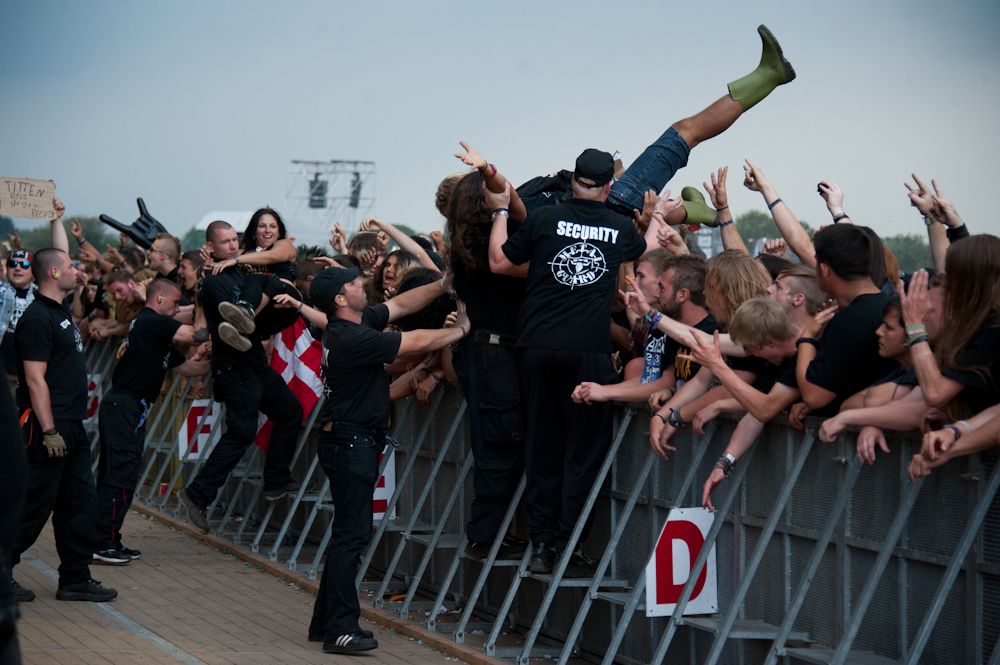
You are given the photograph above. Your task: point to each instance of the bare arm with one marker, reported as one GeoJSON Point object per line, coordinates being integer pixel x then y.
{"type": "Point", "coordinates": [717, 192]}
{"type": "Point", "coordinates": [414, 300]}
{"type": "Point", "coordinates": [59, 238]}
{"type": "Point", "coordinates": [34, 375]}
{"type": "Point", "coordinates": [422, 341]}
{"type": "Point", "coordinates": [190, 336]}
{"type": "Point", "coordinates": [796, 236]}
{"type": "Point", "coordinates": [193, 368]}
{"type": "Point", "coordinates": [404, 241]}
{"type": "Point", "coordinates": [495, 183]}
{"type": "Point", "coordinates": [281, 251]}
{"type": "Point", "coordinates": [310, 314]}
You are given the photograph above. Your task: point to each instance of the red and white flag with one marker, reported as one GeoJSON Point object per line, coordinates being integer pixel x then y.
{"type": "Point", "coordinates": [296, 357]}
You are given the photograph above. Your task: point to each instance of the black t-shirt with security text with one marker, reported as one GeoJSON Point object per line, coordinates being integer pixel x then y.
{"type": "Point", "coordinates": [575, 250]}
{"type": "Point", "coordinates": [354, 360]}
{"type": "Point", "coordinates": [46, 333]}
{"type": "Point", "coordinates": [149, 353]}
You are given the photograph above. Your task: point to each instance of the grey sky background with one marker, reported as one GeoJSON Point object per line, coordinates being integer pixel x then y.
{"type": "Point", "coordinates": [200, 106]}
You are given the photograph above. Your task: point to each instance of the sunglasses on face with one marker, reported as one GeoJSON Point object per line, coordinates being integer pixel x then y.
{"type": "Point", "coordinates": [14, 263]}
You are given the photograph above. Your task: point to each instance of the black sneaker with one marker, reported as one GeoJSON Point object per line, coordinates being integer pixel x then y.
{"type": "Point", "coordinates": [112, 557]}
{"type": "Point", "coordinates": [231, 336]}
{"type": "Point", "coordinates": [580, 565]}
{"type": "Point", "coordinates": [90, 590]}
{"type": "Point", "coordinates": [350, 643]}
{"type": "Point", "coordinates": [291, 488]}
{"type": "Point", "coordinates": [317, 637]}
{"type": "Point", "coordinates": [21, 594]}
{"type": "Point", "coordinates": [240, 314]}
{"type": "Point", "coordinates": [542, 558]}
{"type": "Point", "coordinates": [196, 514]}
{"type": "Point", "coordinates": [135, 554]}
{"type": "Point", "coordinates": [511, 549]}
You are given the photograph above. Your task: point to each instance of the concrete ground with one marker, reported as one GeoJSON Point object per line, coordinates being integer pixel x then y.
{"type": "Point", "coordinates": [183, 602]}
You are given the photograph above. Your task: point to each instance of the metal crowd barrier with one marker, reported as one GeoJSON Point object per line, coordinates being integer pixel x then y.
{"type": "Point", "coordinates": [820, 558]}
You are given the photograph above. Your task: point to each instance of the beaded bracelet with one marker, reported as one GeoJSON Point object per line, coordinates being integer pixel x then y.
{"type": "Point", "coordinates": [725, 466]}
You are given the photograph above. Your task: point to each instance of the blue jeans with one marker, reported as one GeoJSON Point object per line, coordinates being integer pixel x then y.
{"type": "Point", "coordinates": [349, 455]}
{"type": "Point", "coordinates": [652, 170]}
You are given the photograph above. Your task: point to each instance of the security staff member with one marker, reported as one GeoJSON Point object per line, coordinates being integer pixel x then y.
{"type": "Point", "coordinates": [247, 385]}
{"type": "Point", "coordinates": [52, 403]}
{"type": "Point", "coordinates": [355, 417]}
{"type": "Point", "coordinates": [564, 339]}
{"type": "Point", "coordinates": [146, 355]}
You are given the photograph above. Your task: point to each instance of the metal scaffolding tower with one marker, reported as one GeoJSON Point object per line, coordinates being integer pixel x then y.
{"type": "Point", "coordinates": [339, 190]}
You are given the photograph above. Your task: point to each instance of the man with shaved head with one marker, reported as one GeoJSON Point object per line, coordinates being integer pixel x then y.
{"type": "Point", "coordinates": [52, 403]}
{"type": "Point", "coordinates": [146, 354]}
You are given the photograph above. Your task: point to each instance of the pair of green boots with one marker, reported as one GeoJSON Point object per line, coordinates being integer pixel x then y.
{"type": "Point", "coordinates": [773, 70]}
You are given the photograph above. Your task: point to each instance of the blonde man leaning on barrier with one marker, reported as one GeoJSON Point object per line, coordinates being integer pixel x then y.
{"type": "Point", "coordinates": [765, 331]}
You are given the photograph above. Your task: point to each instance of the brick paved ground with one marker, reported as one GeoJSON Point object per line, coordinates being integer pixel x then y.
{"type": "Point", "coordinates": [182, 602]}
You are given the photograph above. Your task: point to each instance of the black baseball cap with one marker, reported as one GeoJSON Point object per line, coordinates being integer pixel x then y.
{"type": "Point", "coordinates": [595, 165]}
{"type": "Point", "coordinates": [328, 283]}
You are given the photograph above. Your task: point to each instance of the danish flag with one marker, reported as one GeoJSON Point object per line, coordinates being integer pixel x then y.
{"type": "Point", "coordinates": [296, 357]}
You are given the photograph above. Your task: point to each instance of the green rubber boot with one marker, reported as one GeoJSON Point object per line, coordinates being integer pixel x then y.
{"type": "Point", "coordinates": [698, 211]}
{"type": "Point", "coordinates": [772, 71]}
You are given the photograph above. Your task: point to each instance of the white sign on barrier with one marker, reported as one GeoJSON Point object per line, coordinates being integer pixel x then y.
{"type": "Point", "coordinates": [386, 486]}
{"type": "Point", "coordinates": [189, 424]}
{"type": "Point", "coordinates": [95, 392]}
{"type": "Point", "coordinates": [670, 565]}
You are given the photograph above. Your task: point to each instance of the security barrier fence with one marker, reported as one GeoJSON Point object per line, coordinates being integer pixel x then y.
{"type": "Point", "coordinates": [819, 558]}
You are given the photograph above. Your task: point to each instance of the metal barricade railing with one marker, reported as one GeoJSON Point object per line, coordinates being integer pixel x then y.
{"type": "Point", "coordinates": [820, 559]}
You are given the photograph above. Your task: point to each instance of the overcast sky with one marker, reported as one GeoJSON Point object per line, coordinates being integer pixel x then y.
{"type": "Point", "coordinates": [199, 106]}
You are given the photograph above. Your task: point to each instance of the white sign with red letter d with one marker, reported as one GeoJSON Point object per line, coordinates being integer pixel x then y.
{"type": "Point", "coordinates": [190, 423]}
{"type": "Point", "coordinates": [670, 566]}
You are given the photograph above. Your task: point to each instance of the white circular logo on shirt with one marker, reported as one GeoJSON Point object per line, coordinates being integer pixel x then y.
{"type": "Point", "coordinates": [579, 264]}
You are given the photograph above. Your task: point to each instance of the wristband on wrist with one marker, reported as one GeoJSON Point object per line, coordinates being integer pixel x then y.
{"type": "Point", "coordinates": [660, 416]}
{"type": "Point", "coordinates": [724, 465]}
{"type": "Point", "coordinates": [929, 220]}
{"type": "Point", "coordinates": [770, 206]}
{"type": "Point", "coordinates": [837, 218]}
{"type": "Point", "coordinates": [916, 339]}
{"type": "Point", "coordinates": [50, 432]}
{"type": "Point", "coordinates": [299, 310]}
{"type": "Point", "coordinates": [81, 240]}
{"type": "Point", "coordinates": [967, 428]}
{"type": "Point", "coordinates": [955, 429]}
{"type": "Point", "coordinates": [437, 379]}
{"type": "Point", "coordinates": [725, 223]}
{"type": "Point", "coordinates": [490, 177]}
{"type": "Point", "coordinates": [725, 208]}
{"type": "Point", "coordinates": [675, 419]}
{"type": "Point", "coordinates": [805, 340]}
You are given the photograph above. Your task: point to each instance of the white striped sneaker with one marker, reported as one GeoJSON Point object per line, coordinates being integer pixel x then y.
{"type": "Point", "coordinates": [349, 643]}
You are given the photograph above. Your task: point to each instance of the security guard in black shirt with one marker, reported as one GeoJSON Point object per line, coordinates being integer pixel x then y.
{"type": "Point", "coordinates": [146, 355]}
{"type": "Point", "coordinates": [52, 403]}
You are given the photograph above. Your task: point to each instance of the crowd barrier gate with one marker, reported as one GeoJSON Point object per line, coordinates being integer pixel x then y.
{"type": "Point", "coordinates": [820, 558]}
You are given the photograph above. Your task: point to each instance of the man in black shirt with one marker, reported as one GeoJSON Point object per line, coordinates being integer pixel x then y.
{"type": "Point", "coordinates": [164, 256]}
{"type": "Point", "coordinates": [563, 339]}
{"type": "Point", "coordinates": [247, 385]}
{"type": "Point", "coordinates": [52, 403]}
{"type": "Point", "coordinates": [355, 417]}
{"type": "Point", "coordinates": [846, 359]}
{"type": "Point", "coordinates": [148, 352]}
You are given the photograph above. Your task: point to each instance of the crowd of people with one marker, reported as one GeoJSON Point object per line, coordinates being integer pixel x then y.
{"type": "Point", "coordinates": [545, 303]}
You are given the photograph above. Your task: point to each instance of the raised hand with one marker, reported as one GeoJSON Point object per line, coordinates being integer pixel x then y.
{"type": "Point", "coordinates": [371, 224]}
{"type": "Point", "coordinates": [753, 177]}
{"type": "Point", "coordinates": [15, 239]}
{"type": "Point", "coordinates": [701, 353]}
{"type": "Point", "coordinates": [671, 240]}
{"type": "Point", "coordinates": [634, 299]}
{"type": "Point", "coordinates": [338, 239]}
{"type": "Point", "coordinates": [833, 196]}
{"type": "Point", "coordinates": [368, 258]}
{"type": "Point", "coordinates": [776, 247]}
{"type": "Point", "coordinates": [649, 201]}
{"type": "Point", "coordinates": [114, 255]}
{"type": "Point", "coordinates": [921, 197]}
{"type": "Point", "coordinates": [285, 301]}
{"type": "Point", "coordinates": [665, 205]}
{"type": "Point", "coordinates": [471, 157]}
{"type": "Point", "coordinates": [383, 241]}
{"type": "Point", "coordinates": [717, 190]}
{"type": "Point", "coordinates": [58, 206]}
{"type": "Point", "coordinates": [944, 209]}
{"type": "Point", "coordinates": [915, 301]}
{"type": "Point", "coordinates": [76, 230]}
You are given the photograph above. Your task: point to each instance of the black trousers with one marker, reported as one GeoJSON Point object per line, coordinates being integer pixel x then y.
{"type": "Point", "coordinates": [349, 455]}
{"type": "Point", "coordinates": [245, 392]}
{"type": "Point", "coordinates": [122, 427]}
{"type": "Point", "coordinates": [271, 320]}
{"type": "Point", "coordinates": [64, 488]}
{"type": "Point", "coordinates": [13, 482]}
{"type": "Point", "coordinates": [488, 375]}
{"type": "Point", "coordinates": [565, 442]}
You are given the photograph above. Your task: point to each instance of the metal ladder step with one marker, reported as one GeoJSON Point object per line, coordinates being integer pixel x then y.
{"type": "Point", "coordinates": [620, 598]}
{"type": "Point", "coordinates": [825, 656]}
{"type": "Point", "coordinates": [577, 581]}
{"type": "Point", "coordinates": [743, 629]}
{"type": "Point", "coordinates": [446, 541]}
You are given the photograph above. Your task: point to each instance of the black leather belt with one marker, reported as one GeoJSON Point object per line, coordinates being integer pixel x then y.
{"type": "Point", "coordinates": [498, 339]}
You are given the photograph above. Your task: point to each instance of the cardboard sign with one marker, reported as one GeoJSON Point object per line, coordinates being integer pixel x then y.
{"type": "Point", "coordinates": [24, 197]}
{"type": "Point", "coordinates": [206, 434]}
{"type": "Point", "coordinates": [670, 566]}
